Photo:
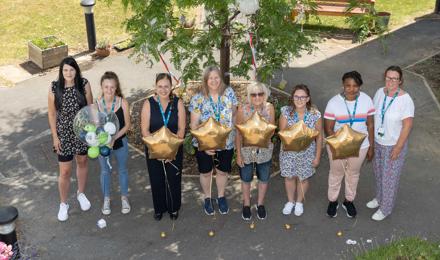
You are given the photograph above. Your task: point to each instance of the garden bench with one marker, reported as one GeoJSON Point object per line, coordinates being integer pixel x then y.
{"type": "Point", "coordinates": [339, 7]}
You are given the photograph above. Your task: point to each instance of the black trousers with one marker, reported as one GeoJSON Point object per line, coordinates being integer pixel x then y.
{"type": "Point", "coordinates": [167, 196]}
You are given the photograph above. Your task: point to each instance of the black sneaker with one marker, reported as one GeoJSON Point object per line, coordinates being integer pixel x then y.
{"type": "Point", "coordinates": [332, 209]}
{"type": "Point", "coordinates": [222, 205]}
{"type": "Point", "coordinates": [261, 211]}
{"type": "Point", "coordinates": [208, 207]}
{"type": "Point", "coordinates": [246, 213]}
{"type": "Point", "coordinates": [349, 208]}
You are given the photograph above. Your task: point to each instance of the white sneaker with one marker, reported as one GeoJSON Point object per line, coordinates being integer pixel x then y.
{"type": "Point", "coordinates": [125, 206]}
{"type": "Point", "coordinates": [83, 201]}
{"type": "Point", "coordinates": [378, 216]}
{"type": "Point", "coordinates": [288, 207]}
{"type": "Point", "coordinates": [372, 204]}
{"type": "Point", "coordinates": [299, 209]}
{"type": "Point", "coordinates": [63, 213]}
{"type": "Point", "coordinates": [106, 210]}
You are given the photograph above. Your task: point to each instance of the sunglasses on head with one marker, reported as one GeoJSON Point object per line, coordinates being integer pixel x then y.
{"type": "Point", "coordinates": [260, 94]}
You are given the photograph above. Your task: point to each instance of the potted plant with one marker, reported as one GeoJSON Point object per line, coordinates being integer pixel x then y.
{"type": "Point", "coordinates": [47, 52]}
{"type": "Point", "coordinates": [103, 48]}
{"type": "Point", "coordinates": [365, 25]}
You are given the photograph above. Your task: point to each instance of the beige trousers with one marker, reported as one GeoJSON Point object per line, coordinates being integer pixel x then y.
{"type": "Point", "coordinates": [350, 168]}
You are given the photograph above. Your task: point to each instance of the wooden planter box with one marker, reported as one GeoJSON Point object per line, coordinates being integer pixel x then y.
{"type": "Point", "coordinates": [47, 58]}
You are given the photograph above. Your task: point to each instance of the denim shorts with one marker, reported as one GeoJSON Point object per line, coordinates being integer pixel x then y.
{"type": "Point", "coordinates": [263, 171]}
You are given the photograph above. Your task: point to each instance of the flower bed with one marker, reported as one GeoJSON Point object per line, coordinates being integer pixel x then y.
{"type": "Point", "coordinates": [277, 98]}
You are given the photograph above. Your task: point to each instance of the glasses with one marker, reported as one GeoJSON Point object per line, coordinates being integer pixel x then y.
{"type": "Point", "coordinates": [300, 98]}
{"type": "Point", "coordinates": [392, 79]}
{"type": "Point", "coordinates": [260, 94]}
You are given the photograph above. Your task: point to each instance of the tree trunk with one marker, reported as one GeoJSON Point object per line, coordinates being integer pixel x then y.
{"type": "Point", "coordinates": [225, 54]}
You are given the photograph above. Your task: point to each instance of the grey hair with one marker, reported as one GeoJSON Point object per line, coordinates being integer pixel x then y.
{"type": "Point", "coordinates": [255, 85]}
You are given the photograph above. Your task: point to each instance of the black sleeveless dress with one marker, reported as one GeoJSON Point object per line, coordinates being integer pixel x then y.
{"type": "Point", "coordinates": [165, 199]}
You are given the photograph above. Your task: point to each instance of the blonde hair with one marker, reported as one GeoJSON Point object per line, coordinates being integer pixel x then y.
{"type": "Point", "coordinates": [206, 73]}
{"type": "Point", "coordinates": [255, 85]}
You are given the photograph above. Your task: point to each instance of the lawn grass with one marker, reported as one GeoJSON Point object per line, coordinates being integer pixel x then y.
{"type": "Point", "coordinates": [24, 20]}
{"type": "Point", "coordinates": [402, 12]}
{"type": "Point", "coordinates": [405, 249]}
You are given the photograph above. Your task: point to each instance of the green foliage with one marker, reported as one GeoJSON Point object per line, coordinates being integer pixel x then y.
{"type": "Point", "coordinates": [103, 44]}
{"type": "Point", "coordinates": [47, 42]}
{"type": "Point", "coordinates": [366, 24]}
{"type": "Point", "coordinates": [408, 248]}
{"type": "Point", "coordinates": [276, 37]}
{"type": "Point", "coordinates": [187, 144]}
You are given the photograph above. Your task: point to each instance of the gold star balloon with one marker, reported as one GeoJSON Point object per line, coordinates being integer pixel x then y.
{"type": "Point", "coordinates": [162, 144]}
{"type": "Point", "coordinates": [297, 137]}
{"type": "Point", "coordinates": [345, 143]}
{"type": "Point", "coordinates": [211, 135]}
{"type": "Point", "coordinates": [256, 131]}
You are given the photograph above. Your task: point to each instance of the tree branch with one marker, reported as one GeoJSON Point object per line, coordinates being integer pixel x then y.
{"type": "Point", "coordinates": [237, 12]}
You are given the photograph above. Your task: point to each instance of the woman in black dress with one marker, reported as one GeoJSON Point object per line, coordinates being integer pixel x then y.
{"type": "Point", "coordinates": [67, 96]}
{"type": "Point", "coordinates": [164, 109]}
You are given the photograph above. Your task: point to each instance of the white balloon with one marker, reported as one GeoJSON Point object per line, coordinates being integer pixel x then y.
{"type": "Point", "coordinates": [248, 7]}
{"type": "Point", "coordinates": [110, 128]}
{"type": "Point", "coordinates": [92, 139]}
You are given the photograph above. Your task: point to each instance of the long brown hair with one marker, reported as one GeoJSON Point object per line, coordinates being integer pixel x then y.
{"type": "Point", "coordinates": [305, 89]}
{"type": "Point", "coordinates": [206, 73]}
{"type": "Point", "coordinates": [113, 76]}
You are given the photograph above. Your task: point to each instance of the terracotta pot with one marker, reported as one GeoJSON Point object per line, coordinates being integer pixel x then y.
{"type": "Point", "coordinates": [102, 52]}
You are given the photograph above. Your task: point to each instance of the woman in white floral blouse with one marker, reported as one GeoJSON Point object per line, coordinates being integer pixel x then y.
{"type": "Point", "coordinates": [215, 100]}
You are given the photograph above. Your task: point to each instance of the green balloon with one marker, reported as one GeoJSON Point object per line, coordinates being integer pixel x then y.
{"type": "Point", "coordinates": [102, 138]}
{"type": "Point", "coordinates": [93, 152]}
{"type": "Point", "coordinates": [90, 128]}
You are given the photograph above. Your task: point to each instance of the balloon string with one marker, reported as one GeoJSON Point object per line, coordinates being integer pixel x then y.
{"type": "Point", "coordinates": [344, 167]}
{"type": "Point", "coordinates": [168, 190]}
{"type": "Point", "coordinates": [107, 159]}
{"type": "Point", "coordinates": [210, 181]}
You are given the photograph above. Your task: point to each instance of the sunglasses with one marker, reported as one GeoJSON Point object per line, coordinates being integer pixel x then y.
{"type": "Point", "coordinates": [260, 94]}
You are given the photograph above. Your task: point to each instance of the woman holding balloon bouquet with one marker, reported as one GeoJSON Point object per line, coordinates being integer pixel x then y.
{"type": "Point", "coordinates": [112, 101]}
{"type": "Point", "coordinates": [159, 111]}
{"type": "Point", "coordinates": [67, 95]}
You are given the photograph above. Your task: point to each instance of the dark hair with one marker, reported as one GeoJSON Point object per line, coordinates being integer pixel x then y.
{"type": "Point", "coordinates": [305, 89]}
{"type": "Point", "coordinates": [396, 69]}
{"type": "Point", "coordinates": [356, 76]}
{"type": "Point", "coordinates": [60, 84]}
{"type": "Point", "coordinates": [161, 76]}
{"type": "Point", "coordinates": [113, 76]}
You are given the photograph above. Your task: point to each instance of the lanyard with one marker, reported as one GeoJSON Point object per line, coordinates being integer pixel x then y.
{"type": "Point", "coordinates": [215, 108]}
{"type": "Point", "coordinates": [350, 115]}
{"type": "Point", "coordinates": [113, 105]}
{"type": "Point", "coordinates": [384, 110]}
{"type": "Point", "coordinates": [167, 118]}
{"type": "Point", "coordinates": [296, 117]}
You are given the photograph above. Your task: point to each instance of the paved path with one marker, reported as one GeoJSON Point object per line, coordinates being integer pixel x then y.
{"type": "Point", "coordinates": [28, 173]}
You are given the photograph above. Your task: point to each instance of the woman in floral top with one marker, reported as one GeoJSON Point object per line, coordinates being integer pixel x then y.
{"type": "Point", "coordinates": [298, 167]}
{"type": "Point", "coordinates": [248, 157]}
{"type": "Point", "coordinates": [215, 100]}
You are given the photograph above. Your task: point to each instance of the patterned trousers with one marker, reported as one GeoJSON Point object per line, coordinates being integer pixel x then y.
{"type": "Point", "coordinates": [387, 173]}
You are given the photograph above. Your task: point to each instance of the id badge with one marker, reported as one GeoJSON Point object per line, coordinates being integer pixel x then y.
{"type": "Point", "coordinates": [381, 131]}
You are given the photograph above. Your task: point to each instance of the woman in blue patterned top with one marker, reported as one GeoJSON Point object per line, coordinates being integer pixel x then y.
{"type": "Point", "coordinates": [215, 100]}
{"type": "Point", "coordinates": [298, 167]}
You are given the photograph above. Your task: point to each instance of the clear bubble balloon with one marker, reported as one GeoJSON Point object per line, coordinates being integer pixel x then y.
{"type": "Point", "coordinates": [95, 128]}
